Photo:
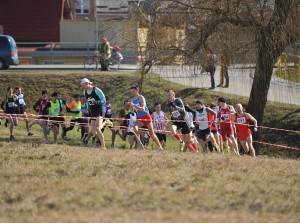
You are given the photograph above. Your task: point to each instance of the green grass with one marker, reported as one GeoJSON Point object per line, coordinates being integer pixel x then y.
{"type": "Point", "coordinates": [116, 87]}
{"type": "Point", "coordinates": [61, 183]}
{"type": "Point", "coordinates": [292, 74]}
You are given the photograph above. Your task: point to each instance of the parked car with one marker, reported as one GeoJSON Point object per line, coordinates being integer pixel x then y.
{"type": "Point", "coordinates": [8, 52]}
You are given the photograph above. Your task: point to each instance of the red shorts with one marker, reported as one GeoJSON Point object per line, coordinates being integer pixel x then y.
{"type": "Point", "coordinates": [242, 136]}
{"type": "Point", "coordinates": [146, 119]}
{"type": "Point", "coordinates": [226, 130]}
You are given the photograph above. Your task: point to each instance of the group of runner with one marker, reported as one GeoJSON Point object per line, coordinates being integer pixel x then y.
{"type": "Point", "coordinates": [216, 127]}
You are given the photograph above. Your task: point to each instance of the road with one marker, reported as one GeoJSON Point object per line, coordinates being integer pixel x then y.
{"type": "Point", "coordinates": [240, 80]}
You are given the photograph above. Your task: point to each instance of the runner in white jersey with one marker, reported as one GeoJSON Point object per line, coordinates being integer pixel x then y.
{"type": "Point", "coordinates": [130, 122]}
{"type": "Point", "coordinates": [159, 123]}
{"type": "Point", "coordinates": [204, 125]}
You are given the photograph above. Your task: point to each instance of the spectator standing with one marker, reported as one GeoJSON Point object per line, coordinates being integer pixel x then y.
{"type": "Point", "coordinates": [105, 53]}
{"type": "Point", "coordinates": [209, 64]}
{"type": "Point", "coordinates": [225, 60]}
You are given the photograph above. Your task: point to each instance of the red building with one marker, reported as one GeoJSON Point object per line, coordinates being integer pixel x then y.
{"type": "Point", "coordinates": [34, 20]}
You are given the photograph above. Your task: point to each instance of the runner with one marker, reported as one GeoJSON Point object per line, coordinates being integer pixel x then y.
{"type": "Point", "coordinates": [130, 122]}
{"type": "Point", "coordinates": [215, 128]}
{"type": "Point", "coordinates": [55, 112]}
{"type": "Point", "coordinates": [21, 108]}
{"type": "Point", "coordinates": [224, 114]}
{"type": "Point", "coordinates": [204, 131]}
{"type": "Point", "coordinates": [42, 120]}
{"type": "Point", "coordinates": [177, 112]}
{"type": "Point", "coordinates": [96, 99]}
{"type": "Point", "coordinates": [139, 105]}
{"type": "Point", "coordinates": [122, 120]}
{"type": "Point", "coordinates": [107, 114]}
{"type": "Point", "coordinates": [11, 105]}
{"type": "Point", "coordinates": [74, 108]}
{"type": "Point", "coordinates": [159, 123]}
{"type": "Point", "coordinates": [240, 119]}
{"type": "Point", "coordinates": [63, 104]}
{"type": "Point", "coordinates": [85, 114]}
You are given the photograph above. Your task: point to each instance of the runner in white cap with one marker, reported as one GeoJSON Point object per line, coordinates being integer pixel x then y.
{"type": "Point", "coordinates": [95, 98]}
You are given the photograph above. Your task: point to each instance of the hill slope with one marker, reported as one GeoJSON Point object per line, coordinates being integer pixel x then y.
{"type": "Point", "coordinates": [116, 87]}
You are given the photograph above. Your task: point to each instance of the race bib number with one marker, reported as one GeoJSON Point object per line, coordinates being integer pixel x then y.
{"type": "Point", "coordinates": [224, 117]}
{"type": "Point", "coordinates": [21, 102]}
{"type": "Point", "coordinates": [56, 110]}
{"type": "Point", "coordinates": [241, 120]}
{"type": "Point", "coordinates": [175, 114]}
{"type": "Point", "coordinates": [91, 101]}
{"type": "Point", "coordinates": [11, 104]}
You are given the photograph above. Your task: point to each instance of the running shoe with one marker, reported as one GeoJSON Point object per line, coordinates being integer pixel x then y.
{"type": "Point", "coordinates": [30, 133]}
{"type": "Point", "coordinates": [65, 137]}
{"type": "Point", "coordinates": [109, 123]}
{"type": "Point", "coordinates": [11, 138]}
{"type": "Point", "coordinates": [84, 142]}
{"type": "Point", "coordinates": [181, 146]}
{"type": "Point", "coordinates": [48, 142]}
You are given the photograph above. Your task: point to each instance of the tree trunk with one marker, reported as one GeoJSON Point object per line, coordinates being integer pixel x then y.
{"type": "Point", "coordinates": [260, 87]}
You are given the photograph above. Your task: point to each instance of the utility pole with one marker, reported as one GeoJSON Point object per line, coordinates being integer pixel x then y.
{"type": "Point", "coordinates": [96, 24]}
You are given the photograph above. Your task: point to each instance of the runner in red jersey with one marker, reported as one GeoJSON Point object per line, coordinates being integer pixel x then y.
{"type": "Point", "coordinates": [225, 112]}
{"type": "Point", "coordinates": [240, 119]}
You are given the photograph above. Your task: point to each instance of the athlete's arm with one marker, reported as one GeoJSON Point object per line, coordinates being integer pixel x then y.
{"type": "Point", "coordinates": [2, 105]}
{"type": "Point", "coordinates": [48, 105]}
{"type": "Point", "coordinates": [250, 117]}
{"type": "Point", "coordinates": [103, 110]}
{"type": "Point", "coordinates": [189, 109]}
{"type": "Point", "coordinates": [209, 110]}
{"type": "Point", "coordinates": [101, 95]}
{"type": "Point", "coordinates": [36, 106]}
{"type": "Point", "coordinates": [179, 105]}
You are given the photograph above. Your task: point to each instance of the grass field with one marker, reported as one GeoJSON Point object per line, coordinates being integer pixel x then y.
{"type": "Point", "coordinates": [71, 183]}
{"type": "Point", "coordinates": [59, 183]}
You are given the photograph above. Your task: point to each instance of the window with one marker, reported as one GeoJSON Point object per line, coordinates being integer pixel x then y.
{"type": "Point", "coordinates": [82, 6]}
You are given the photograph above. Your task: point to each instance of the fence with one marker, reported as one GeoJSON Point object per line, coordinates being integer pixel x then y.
{"type": "Point", "coordinates": [288, 67]}
{"type": "Point", "coordinates": [64, 52]}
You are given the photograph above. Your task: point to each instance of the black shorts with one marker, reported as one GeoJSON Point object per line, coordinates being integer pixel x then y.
{"type": "Point", "coordinates": [96, 113]}
{"type": "Point", "coordinates": [21, 110]}
{"type": "Point", "coordinates": [202, 133]}
{"type": "Point", "coordinates": [183, 126]}
{"type": "Point", "coordinates": [161, 137]}
{"type": "Point", "coordinates": [57, 120]}
{"type": "Point", "coordinates": [214, 131]}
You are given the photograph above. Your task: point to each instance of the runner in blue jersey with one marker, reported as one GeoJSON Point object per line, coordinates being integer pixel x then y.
{"type": "Point", "coordinates": [144, 118]}
{"type": "Point", "coordinates": [95, 98]}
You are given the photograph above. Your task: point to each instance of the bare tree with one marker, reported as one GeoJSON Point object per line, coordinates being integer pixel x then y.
{"type": "Point", "coordinates": [159, 35]}
{"type": "Point", "coordinates": [274, 25]}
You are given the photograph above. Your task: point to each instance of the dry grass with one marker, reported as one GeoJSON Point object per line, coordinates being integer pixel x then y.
{"type": "Point", "coordinates": [60, 183]}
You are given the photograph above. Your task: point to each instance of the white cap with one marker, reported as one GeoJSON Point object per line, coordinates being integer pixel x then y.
{"type": "Point", "coordinates": [85, 80]}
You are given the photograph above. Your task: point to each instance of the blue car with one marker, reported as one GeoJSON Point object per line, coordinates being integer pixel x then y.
{"type": "Point", "coordinates": [8, 52]}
